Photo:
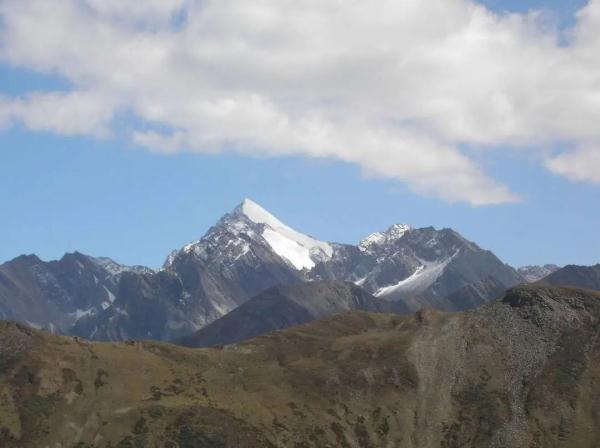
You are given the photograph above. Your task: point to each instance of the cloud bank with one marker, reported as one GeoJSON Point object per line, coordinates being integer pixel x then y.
{"type": "Point", "coordinates": [399, 88]}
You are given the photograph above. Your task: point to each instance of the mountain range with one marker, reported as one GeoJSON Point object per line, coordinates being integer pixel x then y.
{"type": "Point", "coordinates": [283, 307]}
{"type": "Point", "coordinates": [247, 252]}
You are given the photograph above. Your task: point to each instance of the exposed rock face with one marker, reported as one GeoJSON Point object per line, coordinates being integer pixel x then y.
{"type": "Point", "coordinates": [532, 274]}
{"type": "Point", "coordinates": [578, 276]}
{"type": "Point", "coordinates": [146, 307]}
{"type": "Point", "coordinates": [519, 372]}
{"type": "Point", "coordinates": [284, 306]}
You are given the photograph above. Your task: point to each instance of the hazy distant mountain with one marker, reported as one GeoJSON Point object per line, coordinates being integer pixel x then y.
{"type": "Point", "coordinates": [521, 371]}
{"type": "Point", "coordinates": [532, 274]}
{"type": "Point", "coordinates": [578, 276]}
{"type": "Point", "coordinates": [469, 296]}
{"type": "Point", "coordinates": [56, 294]}
{"type": "Point", "coordinates": [284, 306]}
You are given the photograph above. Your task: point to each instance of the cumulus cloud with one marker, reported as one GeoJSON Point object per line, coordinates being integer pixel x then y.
{"type": "Point", "coordinates": [582, 164]}
{"type": "Point", "coordinates": [394, 87]}
{"type": "Point", "coordinates": [70, 113]}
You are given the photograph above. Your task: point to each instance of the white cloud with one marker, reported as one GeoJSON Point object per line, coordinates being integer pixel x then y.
{"type": "Point", "coordinates": [395, 87]}
{"type": "Point", "coordinates": [71, 113]}
{"type": "Point", "coordinates": [582, 164]}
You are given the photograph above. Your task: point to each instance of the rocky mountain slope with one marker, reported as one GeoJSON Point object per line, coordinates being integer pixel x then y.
{"type": "Point", "coordinates": [469, 296]}
{"type": "Point", "coordinates": [579, 276]}
{"type": "Point", "coordinates": [285, 306]}
{"type": "Point", "coordinates": [520, 371]}
{"type": "Point", "coordinates": [534, 273]}
{"type": "Point", "coordinates": [418, 267]}
{"type": "Point", "coordinates": [54, 295]}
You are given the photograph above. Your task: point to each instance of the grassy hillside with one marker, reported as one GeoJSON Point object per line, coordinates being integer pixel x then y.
{"type": "Point", "coordinates": [521, 371]}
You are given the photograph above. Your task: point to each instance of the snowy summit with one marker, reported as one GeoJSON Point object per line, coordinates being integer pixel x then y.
{"type": "Point", "coordinates": [299, 249]}
{"type": "Point", "coordinates": [250, 224]}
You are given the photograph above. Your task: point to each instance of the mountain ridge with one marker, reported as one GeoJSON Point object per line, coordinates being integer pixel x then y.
{"type": "Point", "coordinates": [577, 276]}
{"type": "Point", "coordinates": [534, 273]}
{"type": "Point", "coordinates": [285, 306]}
{"type": "Point", "coordinates": [519, 371]}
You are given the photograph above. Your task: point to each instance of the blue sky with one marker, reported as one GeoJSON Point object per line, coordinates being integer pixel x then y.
{"type": "Point", "coordinates": [563, 9]}
{"type": "Point", "coordinates": [107, 195]}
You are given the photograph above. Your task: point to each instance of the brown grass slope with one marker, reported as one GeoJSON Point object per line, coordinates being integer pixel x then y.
{"type": "Point", "coordinates": [520, 372]}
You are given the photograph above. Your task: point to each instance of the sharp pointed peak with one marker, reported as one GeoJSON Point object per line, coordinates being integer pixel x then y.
{"type": "Point", "coordinates": [257, 213]}
{"type": "Point", "coordinates": [249, 202]}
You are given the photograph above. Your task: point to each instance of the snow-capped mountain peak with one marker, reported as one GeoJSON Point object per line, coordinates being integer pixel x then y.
{"type": "Point", "coordinates": [392, 234]}
{"type": "Point", "coordinates": [301, 250]}
{"type": "Point", "coordinates": [249, 224]}
{"type": "Point", "coordinates": [397, 231]}
{"type": "Point", "coordinates": [255, 213]}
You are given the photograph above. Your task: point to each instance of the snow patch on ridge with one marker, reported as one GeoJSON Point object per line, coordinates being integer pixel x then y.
{"type": "Point", "coordinates": [373, 239]}
{"type": "Point", "coordinates": [289, 249]}
{"type": "Point", "coordinates": [297, 248]}
{"type": "Point", "coordinates": [418, 281]}
{"type": "Point", "coordinates": [78, 314]}
{"type": "Point", "coordinates": [111, 296]}
{"type": "Point", "coordinates": [394, 233]}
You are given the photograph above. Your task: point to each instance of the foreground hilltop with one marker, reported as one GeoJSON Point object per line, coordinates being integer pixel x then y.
{"type": "Point", "coordinates": [519, 371]}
